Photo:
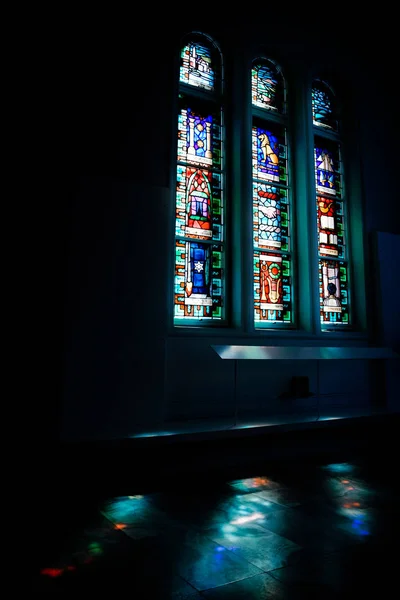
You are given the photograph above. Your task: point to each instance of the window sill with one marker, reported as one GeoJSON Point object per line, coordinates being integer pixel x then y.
{"type": "Point", "coordinates": [274, 336]}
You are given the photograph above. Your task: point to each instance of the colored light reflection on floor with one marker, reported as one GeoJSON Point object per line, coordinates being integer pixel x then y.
{"type": "Point", "coordinates": [51, 572]}
{"type": "Point", "coordinates": [351, 501]}
{"type": "Point", "coordinates": [360, 527]}
{"type": "Point", "coordinates": [248, 519]}
{"type": "Point", "coordinates": [83, 557]}
{"type": "Point", "coordinates": [54, 572]}
{"type": "Point", "coordinates": [257, 499]}
{"type": "Point", "coordinates": [123, 509]}
{"type": "Point", "coordinates": [254, 483]}
{"type": "Point", "coordinates": [95, 549]}
{"type": "Point", "coordinates": [339, 468]}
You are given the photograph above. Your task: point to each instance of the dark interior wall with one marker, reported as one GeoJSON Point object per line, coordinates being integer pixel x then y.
{"type": "Point", "coordinates": [118, 368]}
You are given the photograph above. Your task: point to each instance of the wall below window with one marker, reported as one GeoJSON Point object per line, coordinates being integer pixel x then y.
{"type": "Point", "coordinates": [202, 385]}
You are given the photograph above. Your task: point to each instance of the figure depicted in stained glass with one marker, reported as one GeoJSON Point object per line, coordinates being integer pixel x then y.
{"type": "Point", "coordinates": [325, 171]}
{"type": "Point", "coordinates": [269, 218]}
{"type": "Point", "coordinates": [198, 273]}
{"type": "Point", "coordinates": [331, 292]}
{"type": "Point", "coordinates": [198, 205]}
{"type": "Point", "coordinates": [326, 207]}
{"type": "Point", "coordinates": [268, 155]}
{"type": "Point", "coordinates": [327, 226]}
{"type": "Point", "coordinates": [267, 87]}
{"type": "Point", "coordinates": [195, 138]}
{"type": "Point", "coordinates": [272, 288]}
{"type": "Point", "coordinates": [332, 302]}
{"type": "Point", "coordinates": [196, 66]}
{"type": "Point", "coordinates": [198, 280]}
{"type": "Point", "coordinates": [270, 283]}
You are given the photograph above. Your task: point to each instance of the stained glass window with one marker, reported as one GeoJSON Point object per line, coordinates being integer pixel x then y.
{"type": "Point", "coordinates": [196, 66]}
{"type": "Point", "coordinates": [269, 154]}
{"type": "Point", "coordinates": [198, 280]}
{"type": "Point", "coordinates": [330, 227]}
{"type": "Point", "coordinates": [328, 182]}
{"type": "Point", "coordinates": [199, 134]}
{"type": "Point", "coordinates": [333, 268]}
{"type": "Point", "coordinates": [199, 214]}
{"type": "Point", "coordinates": [323, 106]}
{"type": "Point", "coordinates": [272, 288]}
{"type": "Point", "coordinates": [271, 199]}
{"type": "Point", "coordinates": [270, 216]}
{"type": "Point", "coordinates": [267, 86]}
{"type": "Point", "coordinates": [327, 168]}
{"type": "Point", "coordinates": [333, 292]}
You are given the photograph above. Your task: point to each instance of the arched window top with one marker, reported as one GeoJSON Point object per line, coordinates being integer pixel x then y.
{"type": "Point", "coordinates": [200, 63]}
{"type": "Point", "coordinates": [323, 105]}
{"type": "Point", "coordinates": [267, 85]}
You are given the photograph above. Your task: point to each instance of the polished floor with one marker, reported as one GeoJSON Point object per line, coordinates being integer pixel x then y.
{"type": "Point", "coordinates": [292, 530]}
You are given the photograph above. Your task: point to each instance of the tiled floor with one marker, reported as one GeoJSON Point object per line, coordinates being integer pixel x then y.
{"type": "Point", "coordinates": [311, 531]}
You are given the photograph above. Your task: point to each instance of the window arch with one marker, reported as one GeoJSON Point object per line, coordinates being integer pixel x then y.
{"type": "Point", "coordinates": [199, 289]}
{"type": "Point", "coordinates": [272, 245]}
{"type": "Point", "coordinates": [267, 86]}
{"type": "Point", "coordinates": [324, 106]}
{"type": "Point", "coordinates": [333, 259]}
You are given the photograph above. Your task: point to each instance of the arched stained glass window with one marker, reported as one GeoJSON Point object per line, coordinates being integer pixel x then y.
{"type": "Point", "coordinates": [199, 217]}
{"type": "Point", "coordinates": [272, 265]}
{"type": "Point", "coordinates": [197, 68]}
{"type": "Point", "coordinates": [333, 261]}
{"type": "Point", "coordinates": [323, 106]}
{"type": "Point", "coordinates": [267, 86]}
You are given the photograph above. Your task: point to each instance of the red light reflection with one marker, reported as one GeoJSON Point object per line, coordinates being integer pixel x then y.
{"type": "Point", "coordinates": [52, 572]}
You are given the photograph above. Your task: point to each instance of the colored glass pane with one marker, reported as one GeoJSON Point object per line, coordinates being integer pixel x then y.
{"type": "Point", "coordinates": [196, 66]}
{"type": "Point", "coordinates": [199, 226]}
{"type": "Point", "coordinates": [330, 227]}
{"type": "Point", "coordinates": [267, 87]}
{"type": "Point", "coordinates": [333, 293]}
{"type": "Point", "coordinates": [199, 137]}
{"type": "Point", "coordinates": [269, 154]}
{"type": "Point", "coordinates": [322, 106]}
{"type": "Point", "coordinates": [327, 168]}
{"type": "Point", "coordinates": [270, 217]}
{"type": "Point", "coordinates": [272, 288]}
{"type": "Point", "coordinates": [198, 204]}
{"type": "Point", "coordinates": [198, 280]}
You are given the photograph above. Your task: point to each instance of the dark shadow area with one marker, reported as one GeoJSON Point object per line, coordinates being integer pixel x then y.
{"type": "Point", "coordinates": [306, 513]}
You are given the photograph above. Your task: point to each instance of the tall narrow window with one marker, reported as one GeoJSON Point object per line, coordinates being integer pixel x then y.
{"type": "Point", "coordinates": [333, 269]}
{"type": "Point", "coordinates": [199, 218]}
{"type": "Point", "coordinates": [271, 198]}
